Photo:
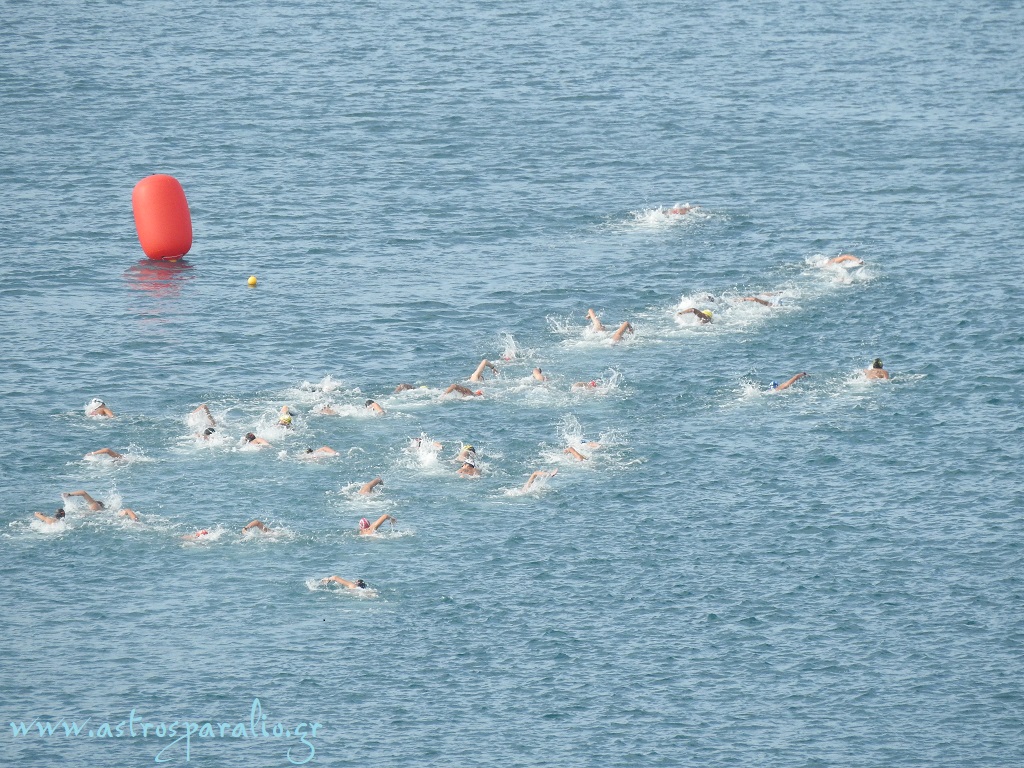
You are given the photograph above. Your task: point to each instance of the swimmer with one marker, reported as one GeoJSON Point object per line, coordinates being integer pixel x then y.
{"type": "Point", "coordinates": [679, 210]}
{"type": "Point", "coordinates": [538, 374]}
{"type": "Point", "coordinates": [320, 453]}
{"type": "Point", "coordinates": [129, 513]}
{"type": "Point", "coordinates": [776, 387]}
{"type": "Point", "coordinates": [197, 535]}
{"type": "Point", "coordinates": [325, 410]}
{"type": "Point", "coordinates": [203, 412]}
{"type": "Point", "coordinates": [285, 419]}
{"type": "Point", "coordinates": [403, 388]}
{"type": "Point", "coordinates": [357, 584]}
{"type": "Point", "coordinates": [537, 475]}
{"type": "Point", "coordinates": [575, 454]}
{"type": "Point", "coordinates": [57, 516]}
{"type": "Point", "coordinates": [467, 452]}
{"type": "Point", "coordinates": [94, 505]}
{"type": "Point", "coordinates": [464, 391]}
{"type": "Point", "coordinates": [366, 528]}
{"type": "Point", "coordinates": [206, 433]}
{"type": "Point", "coordinates": [478, 374]}
{"type": "Point", "coordinates": [846, 258]}
{"type": "Point", "coordinates": [367, 488]}
{"type": "Point", "coordinates": [704, 315]}
{"type": "Point", "coordinates": [592, 384]}
{"type": "Point", "coordinates": [876, 371]}
{"type": "Point", "coordinates": [251, 439]}
{"type": "Point", "coordinates": [374, 406]}
{"type": "Point", "coordinates": [98, 408]}
{"type": "Point", "coordinates": [762, 302]}
{"type": "Point", "coordinates": [106, 452]}
{"type": "Point", "coordinates": [468, 468]}
{"type": "Point", "coordinates": [258, 524]}
{"type": "Point", "coordinates": [595, 322]}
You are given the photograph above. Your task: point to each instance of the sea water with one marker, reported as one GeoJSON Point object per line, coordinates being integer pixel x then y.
{"type": "Point", "coordinates": [827, 575]}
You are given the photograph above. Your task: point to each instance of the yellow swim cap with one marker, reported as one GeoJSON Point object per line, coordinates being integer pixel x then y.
{"type": "Point", "coordinates": [707, 312]}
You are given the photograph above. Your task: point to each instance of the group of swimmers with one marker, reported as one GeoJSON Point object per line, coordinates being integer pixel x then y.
{"type": "Point", "coordinates": [466, 457]}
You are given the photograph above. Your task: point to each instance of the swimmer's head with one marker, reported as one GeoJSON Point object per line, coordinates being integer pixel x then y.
{"type": "Point", "coordinates": [59, 513]}
{"type": "Point", "coordinates": [877, 363]}
{"type": "Point", "coordinates": [707, 312]}
{"type": "Point", "coordinates": [309, 450]}
{"type": "Point", "coordinates": [469, 462]}
{"type": "Point", "coordinates": [285, 420]}
{"type": "Point", "coordinates": [470, 448]}
{"type": "Point", "coordinates": [361, 584]}
{"type": "Point", "coordinates": [363, 524]}
{"type": "Point", "coordinates": [773, 385]}
{"type": "Point", "coordinates": [249, 437]}
{"type": "Point", "coordinates": [208, 431]}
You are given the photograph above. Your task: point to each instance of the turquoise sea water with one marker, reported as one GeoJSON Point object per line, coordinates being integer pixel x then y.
{"type": "Point", "coordinates": [827, 576]}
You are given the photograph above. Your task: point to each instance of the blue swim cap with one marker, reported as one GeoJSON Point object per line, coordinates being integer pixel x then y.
{"type": "Point", "coordinates": [773, 385]}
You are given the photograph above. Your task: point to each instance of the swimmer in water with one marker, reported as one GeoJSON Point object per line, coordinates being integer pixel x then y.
{"type": "Point", "coordinates": [251, 439]}
{"type": "Point", "coordinates": [623, 329]}
{"type": "Point", "coordinates": [357, 584]}
{"type": "Point", "coordinates": [468, 468]}
{"type": "Point", "coordinates": [98, 408]}
{"type": "Point", "coordinates": [876, 371]}
{"type": "Point", "coordinates": [197, 535]}
{"type": "Point", "coordinates": [762, 302]}
{"type": "Point", "coordinates": [203, 412]}
{"type": "Point", "coordinates": [129, 513]}
{"type": "Point", "coordinates": [403, 388]}
{"type": "Point", "coordinates": [464, 391]}
{"type": "Point", "coordinates": [595, 322]}
{"type": "Point", "coordinates": [679, 210]}
{"type": "Point", "coordinates": [776, 387]}
{"type": "Point", "coordinates": [368, 488]}
{"type": "Point", "coordinates": [418, 443]}
{"type": "Point", "coordinates": [106, 452]}
{"type": "Point", "coordinates": [374, 406]}
{"type": "Point", "coordinates": [57, 516]}
{"type": "Point", "coordinates": [592, 384]}
{"type": "Point", "coordinates": [366, 528]}
{"type": "Point", "coordinates": [538, 374]}
{"type": "Point", "coordinates": [258, 524]}
{"type": "Point", "coordinates": [575, 454]}
{"type": "Point", "coordinates": [704, 315]}
{"type": "Point", "coordinates": [537, 475]}
{"type": "Point", "coordinates": [94, 505]}
{"type": "Point", "coordinates": [467, 452]}
{"type": "Point", "coordinates": [846, 258]}
{"type": "Point", "coordinates": [478, 374]}
{"type": "Point", "coordinates": [320, 453]}
{"type": "Point", "coordinates": [206, 433]}
{"type": "Point", "coordinates": [285, 419]}
{"type": "Point", "coordinates": [325, 410]}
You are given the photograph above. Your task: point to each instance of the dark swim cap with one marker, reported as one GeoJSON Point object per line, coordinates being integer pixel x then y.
{"type": "Point", "coordinates": [877, 363]}
{"type": "Point", "coordinates": [360, 583]}
{"type": "Point", "coordinates": [368, 403]}
{"type": "Point", "coordinates": [60, 512]}
{"type": "Point", "coordinates": [209, 431]}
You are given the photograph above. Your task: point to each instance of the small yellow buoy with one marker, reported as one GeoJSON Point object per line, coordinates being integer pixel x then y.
{"type": "Point", "coordinates": [252, 281]}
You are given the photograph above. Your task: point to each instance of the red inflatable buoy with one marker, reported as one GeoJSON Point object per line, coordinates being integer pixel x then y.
{"type": "Point", "coordinates": [162, 218]}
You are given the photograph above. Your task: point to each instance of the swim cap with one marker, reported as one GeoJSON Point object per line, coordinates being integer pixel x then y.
{"type": "Point", "coordinates": [707, 312]}
{"type": "Point", "coordinates": [364, 524]}
{"type": "Point", "coordinates": [59, 513]}
{"type": "Point", "coordinates": [469, 448]}
{"type": "Point", "coordinates": [286, 420]}
{"type": "Point", "coordinates": [773, 385]}
{"type": "Point", "coordinates": [361, 584]}
{"type": "Point", "coordinates": [368, 403]}
{"type": "Point", "coordinates": [208, 431]}
{"type": "Point", "coordinates": [470, 462]}
{"type": "Point", "coordinates": [877, 363]}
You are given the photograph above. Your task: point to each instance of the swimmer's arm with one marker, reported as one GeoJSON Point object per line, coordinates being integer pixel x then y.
{"type": "Point", "coordinates": [203, 410]}
{"type": "Point", "coordinates": [478, 374]}
{"type": "Point", "coordinates": [380, 521]}
{"type": "Point", "coordinates": [106, 452]}
{"type": "Point", "coordinates": [791, 381]}
{"type": "Point", "coordinates": [338, 580]}
{"type": "Point", "coordinates": [368, 487]}
{"type": "Point", "coordinates": [130, 514]}
{"type": "Point", "coordinates": [759, 301]}
{"type": "Point", "coordinates": [576, 454]}
{"type": "Point", "coordinates": [256, 524]}
{"type": "Point", "coordinates": [623, 329]}
{"type": "Point", "coordinates": [45, 518]}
